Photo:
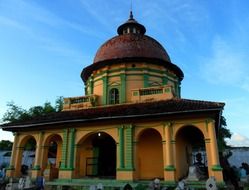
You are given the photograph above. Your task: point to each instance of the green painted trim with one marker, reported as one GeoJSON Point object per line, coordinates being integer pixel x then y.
{"type": "Point", "coordinates": [207, 140]}
{"type": "Point", "coordinates": [137, 69]}
{"type": "Point", "coordinates": [104, 97]}
{"type": "Point", "coordinates": [196, 182]}
{"type": "Point", "coordinates": [125, 169]}
{"type": "Point", "coordinates": [71, 141]}
{"type": "Point", "coordinates": [37, 167]}
{"type": "Point", "coordinates": [165, 80]}
{"type": "Point", "coordinates": [173, 142]}
{"type": "Point", "coordinates": [133, 69]}
{"type": "Point", "coordinates": [11, 167]}
{"type": "Point", "coordinates": [129, 147]}
{"type": "Point", "coordinates": [221, 184]}
{"type": "Point", "coordinates": [135, 93]}
{"type": "Point", "coordinates": [123, 88]}
{"type": "Point", "coordinates": [66, 169]}
{"type": "Point", "coordinates": [135, 74]}
{"type": "Point", "coordinates": [179, 88]}
{"type": "Point", "coordinates": [170, 168]}
{"type": "Point", "coordinates": [121, 147]}
{"type": "Point", "coordinates": [169, 183]}
{"type": "Point", "coordinates": [91, 85]}
{"type": "Point", "coordinates": [64, 149]}
{"type": "Point", "coordinates": [217, 168]}
{"type": "Point", "coordinates": [146, 80]}
{"type": "Point", "coordinates": [20, 147]}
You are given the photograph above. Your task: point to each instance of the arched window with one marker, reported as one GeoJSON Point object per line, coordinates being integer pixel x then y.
{"type": "Point", "coordinates": [114, 96]}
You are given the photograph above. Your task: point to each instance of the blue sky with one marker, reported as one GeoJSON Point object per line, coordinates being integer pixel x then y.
{"type": "Point", "coordinates": [45, 44]}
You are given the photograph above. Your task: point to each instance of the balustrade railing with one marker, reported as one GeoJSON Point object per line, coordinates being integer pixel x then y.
{"type": "Point", "coordinates": [152, 93]}
{"type": "Point", "coordinates": [79, 102]}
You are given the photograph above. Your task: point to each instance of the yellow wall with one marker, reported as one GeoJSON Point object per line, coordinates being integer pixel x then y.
{"type": "Point", "coordinates": [150, 147]}
{"type": "Point", "coordinates": [134, 77]}
{"type": "Point", "coordinates": [150, 155]}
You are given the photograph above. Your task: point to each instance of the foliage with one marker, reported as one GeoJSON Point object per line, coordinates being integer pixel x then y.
{"type": "Point", "coordinates": [5, 145]}
{"type": "Point", "coordinates": [30, 144]}
{"type": "Point", "coordinates": [223, 133]}
{"type": "Point", "coordinates": [16, 113]}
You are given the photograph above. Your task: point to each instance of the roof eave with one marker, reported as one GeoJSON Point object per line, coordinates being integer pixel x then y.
{"type": "Point", "coordinates": [87, 71]}
{"type": "Point", "coordinates": [14, 127]}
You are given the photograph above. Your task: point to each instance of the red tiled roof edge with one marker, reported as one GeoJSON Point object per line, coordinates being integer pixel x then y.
{"type": "Point", "coordinates": [173, 106]}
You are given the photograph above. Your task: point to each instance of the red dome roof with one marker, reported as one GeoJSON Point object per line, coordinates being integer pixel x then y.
{"type": "Point", "coordinates": [131, 46]}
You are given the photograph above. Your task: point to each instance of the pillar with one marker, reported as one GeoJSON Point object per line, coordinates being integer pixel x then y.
{"type": "Point", "coordinates": [64, 149]}
{"type": "Point", "coordinates": [12, 166]}
{"type": "Point", "coordinates": [129, 148]}
{"type": "Point", "coordinates": [36, 170]}
{"type": "Point", "coordinates": [126, 156]}
{"type": "Point", "coordinates": [18, 160]}
{"type": "Point", "coordinates": [169, 170]}
{"type": "Point", "coordinates": [68, 153]}
{"type": "Point", "coordinates": [121, 147]}
{"type": "Point", "coordinates": [71, 151]}
{"type": "Point", "coordinates": [215, 164]}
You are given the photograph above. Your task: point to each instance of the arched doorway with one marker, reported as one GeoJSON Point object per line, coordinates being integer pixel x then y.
{"type": "Point", "coordinates": [150, 155]}
{"type": "Point", "coordinates": [26, 156]}
{"type": "Point", "coordinates": [52, 156]}
{"type": "Point", "coordinates": [96, 156]}
{"type": "Point", "coordinates": [190, 149]}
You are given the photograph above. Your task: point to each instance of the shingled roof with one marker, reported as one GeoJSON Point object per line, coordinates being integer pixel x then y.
{"type": "Point", "coordinates": [137, 110]}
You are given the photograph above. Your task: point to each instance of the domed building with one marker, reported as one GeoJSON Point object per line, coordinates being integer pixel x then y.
{"type": "Point", "coordinates": [131, 126]}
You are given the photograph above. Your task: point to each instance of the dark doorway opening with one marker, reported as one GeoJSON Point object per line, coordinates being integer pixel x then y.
{"type": "Point", "coordinates": [103, 162]}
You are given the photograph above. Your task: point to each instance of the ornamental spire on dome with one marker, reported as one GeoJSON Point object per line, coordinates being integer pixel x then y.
{"type": "Point", "coordinates": [131, 26]}
{"type": "Point", "coordinates": [131, 15]}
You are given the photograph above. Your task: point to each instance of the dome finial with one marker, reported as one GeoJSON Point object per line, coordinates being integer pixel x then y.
{"type": "Point", "coordinates": [131, 15]}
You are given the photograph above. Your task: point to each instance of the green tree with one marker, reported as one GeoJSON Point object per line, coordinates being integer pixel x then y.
{"type": "Point", "coordinates": [59, 103]}
{"type": "Point", "coordinates": [223, 133]}
{"type": "Point", "coordinates": [30, 144]}
{"type": "Point", "coordinates": [5, 145]}
{"type": "Point", "coordinates": [15, 113]}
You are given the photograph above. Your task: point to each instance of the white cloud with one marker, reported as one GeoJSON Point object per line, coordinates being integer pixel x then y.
{"type": "Point", "coordinates": [13, 23]}
{"type": "Point", "coordinates": [238, 140]}
{"type": "Point", "coordinates": [30, 20]}
{"type": "Point", "coordinates": [226, 65]}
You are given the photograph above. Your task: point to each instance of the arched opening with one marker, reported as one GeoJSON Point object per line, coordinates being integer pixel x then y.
{"type": "Point", "coordinates": [26, 156]}
{"type": "Point", "coordinates": [114, 96]}
{"type": "Point", "coordinates": [190, 150]}
{"type": "Point", "coordinates": [52, 156]}
{"type": "Point", "coordinates": [96, 156]}
{"type": "Point", "coordinates": [150, 155]}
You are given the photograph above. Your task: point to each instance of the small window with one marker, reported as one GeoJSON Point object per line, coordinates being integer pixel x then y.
{"type": "Point", "coordinates": [114, 96]}
{"type": "Point", "coordinates": [134, 30]}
